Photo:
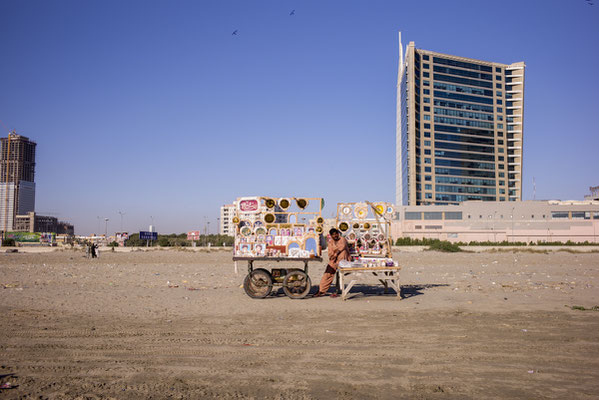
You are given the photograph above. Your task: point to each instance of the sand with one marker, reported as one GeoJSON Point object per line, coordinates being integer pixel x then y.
{"type": "Point", "coordinates": [128, 325]}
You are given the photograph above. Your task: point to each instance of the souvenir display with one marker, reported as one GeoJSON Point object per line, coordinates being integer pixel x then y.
{"type": "Point", "coordinates": [366, 226]}
{"type": "Point", "coordinates": [267, 227]}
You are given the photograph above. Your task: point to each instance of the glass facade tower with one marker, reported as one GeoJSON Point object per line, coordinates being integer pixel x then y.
{"type": "Point", "coordinates": [459, 129]}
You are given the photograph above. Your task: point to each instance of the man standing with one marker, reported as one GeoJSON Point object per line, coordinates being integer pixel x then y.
{"type": "Point", "coordinates": [338, 251]}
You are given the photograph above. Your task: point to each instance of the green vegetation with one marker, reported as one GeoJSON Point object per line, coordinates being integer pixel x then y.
{"type": "Point", "coordinates": [113, 244]}
{"type": "Point", "coordinates": [180, 240]}
{"type": "Point", "coordinates": [407, 241]}
{"type": "Point", "coordinates": [444, 246]}
{"type": "Point", "coordinates": [582, 308]}
{"type": "Point", "coordinates": [8, 242]}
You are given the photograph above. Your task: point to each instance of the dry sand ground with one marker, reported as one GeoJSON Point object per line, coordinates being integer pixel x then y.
{"type": "Point", "coordinates": [488, 325]}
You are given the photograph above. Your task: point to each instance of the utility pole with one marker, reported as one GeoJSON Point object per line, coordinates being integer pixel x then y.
{"type": "Point", "coordinates": [106, 229]}
{"type": "Point", "coordinates": [121, 213]}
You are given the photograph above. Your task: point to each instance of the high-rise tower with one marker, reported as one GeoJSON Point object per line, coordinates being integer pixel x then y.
{"type": "Point", "coordinates": [459, 129]}
{"type": "Point", "coordinates": [17, 179]}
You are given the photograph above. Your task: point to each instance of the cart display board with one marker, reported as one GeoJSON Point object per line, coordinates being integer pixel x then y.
{"type": "Point", "coordinates": [367, 228]}
{"type": "Point", "coordinates": [278, 229]}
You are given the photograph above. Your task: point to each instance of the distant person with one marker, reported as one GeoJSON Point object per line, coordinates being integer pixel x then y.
{"type": "Point", "coordinates": [93, 250]}
{"type": "Point", "coordinates": [338, 251]}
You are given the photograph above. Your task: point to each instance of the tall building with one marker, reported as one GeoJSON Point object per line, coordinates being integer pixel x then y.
{"type": "Point", "coordinates": [17, 179]}
{"type": "Point", "coordinates": [227, 227]}
{"type": "Point", "coordinates": [458, 130]}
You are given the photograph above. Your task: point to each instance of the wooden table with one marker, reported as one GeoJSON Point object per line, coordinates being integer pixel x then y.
{"type": "Point", "coordinates": [348, 277]}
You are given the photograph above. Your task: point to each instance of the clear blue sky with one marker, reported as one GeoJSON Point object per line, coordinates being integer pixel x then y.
{"type": "Point", "coordinates": [155, 109]}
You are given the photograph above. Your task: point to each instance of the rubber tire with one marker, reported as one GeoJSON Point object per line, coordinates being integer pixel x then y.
{"type": "Point", "coordinates": [258, 283]}
{"type": "Point", "coordinates": [296, 292]}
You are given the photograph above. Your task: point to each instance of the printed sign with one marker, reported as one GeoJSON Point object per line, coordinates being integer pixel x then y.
{"type": "Point", "coordinates": [248, 205]}
{"type": "Point", "coordinates": [148, 235]}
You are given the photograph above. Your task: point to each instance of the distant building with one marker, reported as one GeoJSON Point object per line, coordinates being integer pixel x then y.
{"type": "Point", "coordinates": [594, 194]}
{"type": "Point", "coordinates": [17, 178]}
{"type": "Point", "coordinates": [31, 222]}
{"type": "Point", "coordinates": [522, 221]}
{"type": "Point", "coordinates": [458, 130]}
{"type": "Point", "coordinates": [227, 227]}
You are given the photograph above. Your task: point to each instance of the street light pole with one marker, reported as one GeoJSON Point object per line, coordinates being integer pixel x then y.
{"type": "Point", "coordinates": [106, 228]}
{"type": "Point", "coordinates": [121, 213]}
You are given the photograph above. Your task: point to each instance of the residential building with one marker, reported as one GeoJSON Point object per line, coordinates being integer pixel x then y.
{"type": "Point", "coordinates": [227, 227]}
{"type": "Point", "coordinates": [522, 221]}
{"type": "Point", "coordinates": [459, 129]}
{"type": "Point", "coordinates": [594, 193]}
{"type": "Point", "coordinates": [17, 178]}
{"type": "Point", "coordinates": [31, 222]}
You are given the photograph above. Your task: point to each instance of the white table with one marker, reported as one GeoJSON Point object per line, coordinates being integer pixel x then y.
{"type": "Point", "coordinates": [349, 276]}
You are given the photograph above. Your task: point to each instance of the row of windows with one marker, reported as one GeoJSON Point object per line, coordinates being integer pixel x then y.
{"type": "Point", "coordinates": [464, 172]}
{"type": "Point", "coordinates": [466, 189]}
{"type": "Point", "coordinates": [462, 89]}
{"type": "Point", "coordinates": [469, 74]}
{"type": "Point", "coordinates": [464, 139]}
{"type": "Point", "coordinates": [464, 131]}
{"type": "Point", "coordinates": [461, 64]}
{"type": "Point", "coordinates": [462, 197]}
{"type": "Point", "coordinates": [465, 147]}
{"type": "Point", "coordinates": [574, 214]}
{"type": "Point", "coordinates": [464, 122]}
{"type": "Point", "coordinates": [463, 114]}
{"type": "Point", "coordinates": [464, 81]}
{"type": "Point", "coordinates": [465, 164]}
{"type": "Point", "coordinates": [464, 156]}
{"type": "Point", "coordinates": [464, 181]}
{"type": "Point", "coordinates": [463, 97]}
{"type": "Point", "coordinates": [463, 106]}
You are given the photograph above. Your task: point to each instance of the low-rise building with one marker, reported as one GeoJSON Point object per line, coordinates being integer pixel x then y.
{"type": "Point", "coordinates": [32, 222]}
{"type": "Point", "coordinates": [524, 221]}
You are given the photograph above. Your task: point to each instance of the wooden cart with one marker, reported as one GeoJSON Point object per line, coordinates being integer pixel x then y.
{"type": "Point", "coordinates": [259, 282]}
{"type": "Point", "coordinates": [348, 277]}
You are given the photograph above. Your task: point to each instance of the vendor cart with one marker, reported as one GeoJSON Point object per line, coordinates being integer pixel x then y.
{"type": "Point", "coordinates": [278, 229]}
{"type": "Point", "coordinates": [259, 282]}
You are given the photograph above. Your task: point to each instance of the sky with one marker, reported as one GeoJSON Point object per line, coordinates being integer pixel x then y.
{"type": "Point", "coordinates": [156, 110]}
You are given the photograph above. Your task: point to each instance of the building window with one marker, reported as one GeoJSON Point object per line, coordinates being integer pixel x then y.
{"type": "Point", "coordinates": [428, 195]}
{"type": "Point", "coordinates": [427, 108]}
{"type": "Point", "coordinates": [500, 142]}
{"type": "Point", "coordinates": [427, 100]}
{"type": "Point", "coordinates": [433, 215]}
{"type": "Point", "coordinates": [498, 85]}
{"type": "Point", "coordinates": [426, 83]}
{"type": "Point", "coordinates": [427, 161]}
{"type": "Point", "coordinates": [501, 183]}
{"type": "Point", "coordinates": [427, 151]}
{"type": "Point", "coordinates": [498, 77]}
{"type": "Point", "coordinates": [578, 215]}
{"type": "Point", "coordinates": [595, 214]}
{"type": "Point", "coordinates": [425, 65]}
{"type": "Point", "coordinates": [453, 215]}
{"type": "Point", "coordinates": [499, 126]}
{"type": "Point", "coordinates": [502, 175]}
{"type": "Point", "coordinates": [427, 169]}
{"type": "Point", "coordinates": [498, 93]}
{"type": "Point", "coordinates": [428, 187]}
{"type": "Point", "coordinates": [427, 126]}
{"type": "Point", "coordinates": [426, 117]}
{"type": "Point", "coordinates": [501, 149]}
{"type": "Point", "coordinates": [499, 101]}
{"type": "Point", "coordinates": [559, 214]}
{"type": "Point", "coordinates": [501, 158]}
{"type": "Point", "coordinates": [499, 109]}
{"type": "Point", "coordinates": [497, 69]}
{"type": "Point", "coordinates": [427, 134]}
{"type": "Point", "coordinates": [425, 75]}
{"type": "Point", "coordinates": [427, 178]}
{"type": "Point", "coordinates": [427, 143]}
{"type": "Point", "coordinates": [413, 215]}
{"type": "Point", "coordinates": [426, 91]}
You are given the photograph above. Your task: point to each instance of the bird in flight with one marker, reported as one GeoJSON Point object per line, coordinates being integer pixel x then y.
{"type": "Point", "coordinates": [234, 32]}
{"type": "Point", "coordinates": [292, 12]}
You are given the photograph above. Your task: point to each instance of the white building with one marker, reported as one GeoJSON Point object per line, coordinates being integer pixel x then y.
{"type": "Point", "coordinates": [226, 226]}
{"type": "Point", "coordinates": [25, 193]}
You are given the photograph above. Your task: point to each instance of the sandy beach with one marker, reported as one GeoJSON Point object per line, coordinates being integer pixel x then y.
{"type": "Point", "coordinates": [177, 324]}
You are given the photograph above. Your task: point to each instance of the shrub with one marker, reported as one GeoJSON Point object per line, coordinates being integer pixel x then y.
{"type": "Point", "coordinates": [8, 242]}
{"type": "Point", "coordinates": [444, 246]}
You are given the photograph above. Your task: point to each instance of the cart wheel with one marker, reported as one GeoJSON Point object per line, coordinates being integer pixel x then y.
{"type": "Point", "coordinates": [297, 284]}
{"type": "Point", "coordinates": [258, 283]}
